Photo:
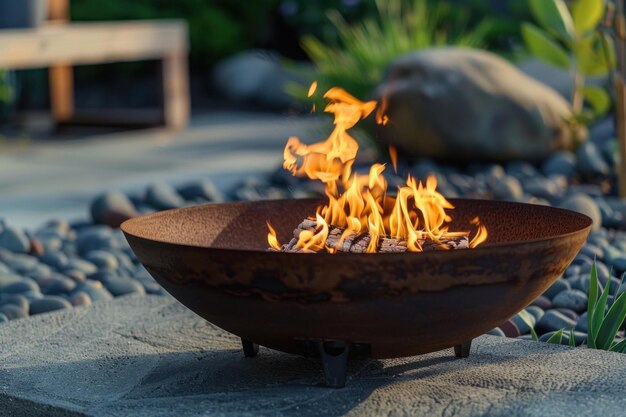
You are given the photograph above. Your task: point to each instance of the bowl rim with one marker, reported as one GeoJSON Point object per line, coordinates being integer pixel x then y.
{"type": "Point", "coordinates": [480, 249]}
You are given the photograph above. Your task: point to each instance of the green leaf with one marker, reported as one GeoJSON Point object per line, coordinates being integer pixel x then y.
{"type": "Point", "coordinates": [572, 339]}
{"type": "Point", "coordinates": [598, 316]}
{"type": "Point", "coordinates": [619, 347]}
{"type": "Point", "coordinates": [591, 303]}
{"type": "Point", "coordinates": [541, 44]}
{"type": "Point", "coordinates": [598, 98]}
{"type": "Point", "coordinates": [554, 16]}
{"type": "Point", "coordinates": [529, 320]}
{"type": "Point", "coordinates": [556, 338]}
{"type": "Point", "coordinates": [587, 14]}
{"type": "Point", "coordinates": [612, 322]}
{"type": "Point", "coordinates": [595, 55]}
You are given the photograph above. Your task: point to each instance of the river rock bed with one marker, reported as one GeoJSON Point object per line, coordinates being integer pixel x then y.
{"type": "Point", "coordinates": [63, 264]}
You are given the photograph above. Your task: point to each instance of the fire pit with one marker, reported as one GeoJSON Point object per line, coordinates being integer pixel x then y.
{"type": "Point", "coordinates": [213, 259]}
{"type": "Point", "coordinates": [373, 273]}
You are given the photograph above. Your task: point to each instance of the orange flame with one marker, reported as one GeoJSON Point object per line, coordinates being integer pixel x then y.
{"type": "Point", "coordinates": [271, 237]}
{"type": "Point", "coordinates": [360, 204]}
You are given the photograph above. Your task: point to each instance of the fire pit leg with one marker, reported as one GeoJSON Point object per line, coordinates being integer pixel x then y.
{"type": "Point", "coordinates": [463, 350]}
{"type": "Point", "coordinates": [250, 349]}
{"type": "Point", "coordinates": [334, 356]}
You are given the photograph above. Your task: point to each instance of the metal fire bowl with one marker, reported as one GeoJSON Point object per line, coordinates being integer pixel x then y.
{"type": "Point", "coordinates": [213, 259]}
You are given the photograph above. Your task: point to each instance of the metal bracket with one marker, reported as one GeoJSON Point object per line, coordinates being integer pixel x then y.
{"type": "Point", "coordinates": [250, 349]}
{"type": "Point", "coordinates": [334, 356]}
{"type": "Point", "coordinates": [463, 350]}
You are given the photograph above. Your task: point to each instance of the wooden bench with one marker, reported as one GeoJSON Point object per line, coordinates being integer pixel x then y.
{"type": "Point", "coordinates": [59, 45]}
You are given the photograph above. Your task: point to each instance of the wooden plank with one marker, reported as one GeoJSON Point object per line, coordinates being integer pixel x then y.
{"type": "Point", "coordinates": [61, 80]}
{"type": "Point", "coordinates": [175, 90]}
{"type": "Point", "coordinates": [85, 43]}
{"type": "Point", "coordinates": [58, 10]}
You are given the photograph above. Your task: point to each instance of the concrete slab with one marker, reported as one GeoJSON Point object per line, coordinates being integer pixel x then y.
{"type": "Point", "coordinates": [149, 356]}
{"type": "Point", "coordinates": [58, 178]}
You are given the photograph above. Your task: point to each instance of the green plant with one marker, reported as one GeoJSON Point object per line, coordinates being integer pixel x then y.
{"type": "Point", "coordinates": [568, 39]}
{"type": "Point", "coordinates": [365, 48]}
{"type": "Point", "coordinates": [605, 317]}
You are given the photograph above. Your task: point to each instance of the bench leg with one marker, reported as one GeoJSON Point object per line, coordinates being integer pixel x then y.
{"type": "Point", "coordinates": [61, 81]}
{"type": "Point", "coordinates": [175, 90]}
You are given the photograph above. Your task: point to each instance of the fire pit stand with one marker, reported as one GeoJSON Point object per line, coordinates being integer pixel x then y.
{"type": "Point", "coordinates": [335, 354]}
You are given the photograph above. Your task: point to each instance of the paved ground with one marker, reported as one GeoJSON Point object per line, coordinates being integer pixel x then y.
{"type": "Point", "coordinates": [57, 178]}
{"type": "Point", "coordinates": [149, 356]}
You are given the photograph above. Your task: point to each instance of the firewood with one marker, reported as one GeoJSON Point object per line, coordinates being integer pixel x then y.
{"type": "Point", "coordinates": [358, 243]}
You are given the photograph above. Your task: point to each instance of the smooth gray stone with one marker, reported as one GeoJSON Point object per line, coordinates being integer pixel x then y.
{"type": "Point", "coordinates": [94, 289]}
{"type": "Point", "coordinates": [3, 318]}
{"type": "Point", "coordinates": [150, 356]}
{"type": "Point", "coordinates": [561, 163]}
{"type": "Point", "coordinates": [102, 259]}
{"type": "Point", "coordinates": [47, 304]}
{"type": "Point", "coordinates": [556, 287]}
{"type": "Point", "coordinates": [80, 299]}
{"type": "Point", "coordinates": [508, 188]}
{"type": "Point", "coordinates": [57, 284]}
{"type": "Point", "coordinates": [121, 286]}
{"type": "Point", "coordinates": [582, 324]}
{"type": "Point", "coordinates": [112, 209]}
{"type": "Point", "coordinates": [56, 259]}
{"type": "Point", "coordinates": [21, 263]}
{"type": "Point", "coordinates": [522, 325]}
{"type": "Point", "coordinates": [82, 265]}
{"type": "Point", "coordinates": [163, 197]}
{"type": "Point", "coordinates": [554, 320]}
{"type": "Point", "coordinates": [14, 240]}
{"type": "Point", "coordinates": [13, 311]}
{"type": "Point", "coordinates": [26, 284]}
{"type": "Point", "coordinates": [95, 237]}
{"type": "Point", "coordinates": [203, 189]}
{"type": "Point", "coordinates": [575, 300]}
{"type": "Point", "coordinates": [585, 205]}
{"type": "Point", "coordinates": [536, 311]}
{"type": "Point", "coordinates": [496, 331]}
{"type": "Point", "coordinates": [590, 160]}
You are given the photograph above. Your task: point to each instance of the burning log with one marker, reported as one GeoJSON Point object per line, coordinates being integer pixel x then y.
{"type": "Point", "coordinates": [358, 243]}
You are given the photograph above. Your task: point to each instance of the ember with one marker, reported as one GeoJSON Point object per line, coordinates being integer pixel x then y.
{"type": "Point", "coordinates": [360, 215]}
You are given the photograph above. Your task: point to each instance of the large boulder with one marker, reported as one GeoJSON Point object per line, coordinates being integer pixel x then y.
{"type": "Point", "coordinates": [466, 103]}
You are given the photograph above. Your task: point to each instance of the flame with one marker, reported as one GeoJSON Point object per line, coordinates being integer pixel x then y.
{"type": "Point", "coordinates": [312, 89]}
{"type": "Point", "coordinates": [271, 237]}
{"type": "Point", "coordinates": [359, 204]}
{"type": "Point", "coordinates": [393, 155]}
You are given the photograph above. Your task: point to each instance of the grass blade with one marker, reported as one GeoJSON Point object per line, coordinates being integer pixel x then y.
{"type": "Point", "coordinates": [598, 312]}
{"type": "Point", "coordinates": [572, 339]}
{"type": "Point", "coordinates": [611, 323]}
{"type": "Point", "coordinates": [619, 347]}
{"type": "Point", "coordinates": [591, 304]}
{"type": "Point", "coordinates": [556, 338]}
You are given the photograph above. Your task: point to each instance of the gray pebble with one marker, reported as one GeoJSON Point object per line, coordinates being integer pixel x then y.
{"type": "Point", "coordinates": [554, 320]}
{"type": "Point", "coordinates": [94, 289]}
{"type": "Point", "coordinates": [103, 260]}
{"type": "Point", "coordinates": [536, 311]}
{"type": "Point", "coordinates": [27, 284]}
{"type": "Point", "coordinates": [47, 304]}
{"type": "Point", "coordinates": [80, 298]}
{"type": "Point", "coordinates": [496, 331]}
{"type": "Point", "coordinates": [122, 286]}
{"type": "Point", "coordinates": [585, 205]}
{"type": "Point", "coordinates": [575, 300]}
{"type": "Point", "coordinates": [582, 324]}
{"type": "Point", "coordinates": [14, 240]}
{"type": "Point", "coordinates": [556, 287]}
{"type": "Point", "coordinates": [13, 312]}
{"type": "Point", "coordinates": [112, 209]}
{"type": "Point", "coordinates": [56, 259]}
{"type": "Point", "coordinates": [590, 160]}
{"type": "Point", "coordinates": [163, 197]}
{"type": "Point", "coordinates": [561, 163]}
{"type": "Point", "coordinates": [508, 188]}
{"type": "Point", "coordinates": [81, 265]}
{"type": "Point", "coordinates": [3, 318]}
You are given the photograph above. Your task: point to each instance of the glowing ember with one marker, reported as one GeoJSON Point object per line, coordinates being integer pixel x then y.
{"type": "Point", "coordinates": [359, 205]}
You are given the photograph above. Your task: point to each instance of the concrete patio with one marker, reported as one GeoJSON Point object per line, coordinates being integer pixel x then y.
{"type": "Point", "coordinates": [150, 356]}
{"type": "Point", "coordinates": [58, 178]}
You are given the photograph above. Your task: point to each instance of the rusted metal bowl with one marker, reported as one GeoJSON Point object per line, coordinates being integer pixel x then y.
{"type": "Point", "coordinates": [213, 259]}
